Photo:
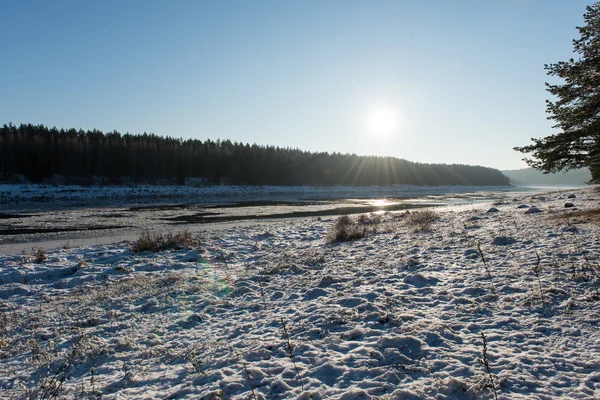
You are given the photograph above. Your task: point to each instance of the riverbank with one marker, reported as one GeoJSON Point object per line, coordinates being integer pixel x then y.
{"type": "Point", "coordinates": [278, 312]}
{"type": "Point", "coordinates": [44, 197]}
{"type": "Point", "coordinates": [50, 217]}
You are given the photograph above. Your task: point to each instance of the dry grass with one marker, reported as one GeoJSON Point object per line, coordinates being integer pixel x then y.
{"type": "Point", "coordinates": [156, 242]}
{"type": "Point", "coordinates": [586, 216]}
{"type": "Point", "coordinates": [345, 229]}
{"type": "Point", "coordinates": [369, 219]}
{"type": "Point", "coordinates": [40, 256]}
{"type": "Point", "coordinates": [421, 221]}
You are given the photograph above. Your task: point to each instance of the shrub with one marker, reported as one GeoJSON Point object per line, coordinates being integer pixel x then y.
{"type": "Point", "coordinates": [421, 221]}
{"type": "Point", "coordinates": [40, 256]}
{"type": "Point", "coordinates": [157, 242]}
{"type": "Point", "coordinates": [346, 229]}
{"type": "Point", "coordinates": [371, 219]}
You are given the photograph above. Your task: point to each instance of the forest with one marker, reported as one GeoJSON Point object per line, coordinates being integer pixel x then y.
{"type": "Point", "coordinates": [38, 153]}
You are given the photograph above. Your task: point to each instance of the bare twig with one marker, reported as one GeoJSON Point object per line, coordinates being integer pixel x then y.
{"type": "Point", "coordinates": [249, 381]}
{"type": "Point", "coordinates": [536, 271]}
{"type": "Point", "coordinates": [487, 270]}
{"type": "Point", "coordinates": [291, 353]}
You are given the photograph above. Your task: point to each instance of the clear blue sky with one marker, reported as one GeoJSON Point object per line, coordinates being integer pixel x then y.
{"type": "Point", "coordinates": [463, 81]}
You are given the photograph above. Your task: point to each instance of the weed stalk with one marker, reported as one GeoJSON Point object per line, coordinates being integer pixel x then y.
{"type": "Point", "coordinates": [487, 269]}
{"type": "Point", "coordinates": [536, 271]}
{"type": "Point", "coordinates": [249, 381]}
{"type": "Point", "coordinates": [291, 353]}
{"type": "Point", "coordinates": [486, 363]}
{"type": "Point", "coordinates": [262, 295]}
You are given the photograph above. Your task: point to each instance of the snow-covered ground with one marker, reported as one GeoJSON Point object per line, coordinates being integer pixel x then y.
{"type": "Point", "coordinates": [400, 314]}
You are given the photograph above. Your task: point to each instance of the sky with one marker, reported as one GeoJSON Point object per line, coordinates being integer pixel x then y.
{"type": "Point", "coordinates": [428, 81]}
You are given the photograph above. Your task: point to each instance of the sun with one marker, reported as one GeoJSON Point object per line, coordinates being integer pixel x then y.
{"type": "Point", "coordinates": [382, 120]}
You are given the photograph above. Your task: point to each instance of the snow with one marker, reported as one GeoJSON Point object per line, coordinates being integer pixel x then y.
{"type": "Point", "coordinates": [14, 196]}
{"type": "Point", "coordinates": [396, 315]}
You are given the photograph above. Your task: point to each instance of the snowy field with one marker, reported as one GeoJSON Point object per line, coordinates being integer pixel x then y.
{"type": "Point", "coordinates": [278, 312]}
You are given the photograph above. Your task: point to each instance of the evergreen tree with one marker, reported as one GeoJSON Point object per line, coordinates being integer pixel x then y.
{"type": "Point", "coordinates": [83, 157]}
{"type": "Point", "coordinates": [576, 109]}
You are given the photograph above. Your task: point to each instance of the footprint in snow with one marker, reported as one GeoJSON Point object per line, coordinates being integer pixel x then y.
{"type": "Point", "coordinates": [328, 373]}
{"type": "Point", "coordinates": [407, 345]}
{"type": "Point", "coordinates": [471, 254]}
{"type": "Point", "coordinates": [533, 210]}
{"type": "Point", "coordinates": [503, 241]}
{"type": "Point", "coordinates": [314, 293]}
{"type": "Point", "coordinates": [419, 280]}
{"type": "Point", "coordinates": [570, 229]}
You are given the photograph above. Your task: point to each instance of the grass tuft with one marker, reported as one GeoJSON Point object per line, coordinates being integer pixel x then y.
{"type": "Point", "coordinates": [156, 242]}
{"type": "Point", "coordinates": [421, 221]}
{"type": "Point", "coordinates": [40, 256]}
{"type": "Point", "coordinates": [346, 229]}
{"type": "Point", "coordinates": [584, 216]}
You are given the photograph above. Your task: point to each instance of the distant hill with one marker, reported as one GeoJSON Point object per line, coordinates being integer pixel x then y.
{"type": "Point", "coordinates": [530, 176]}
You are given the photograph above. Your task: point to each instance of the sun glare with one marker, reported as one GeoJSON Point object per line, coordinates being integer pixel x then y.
{"type": "Point", "coordinates": [382, 121]}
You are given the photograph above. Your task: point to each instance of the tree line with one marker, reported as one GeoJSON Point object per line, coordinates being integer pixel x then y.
{"type": "Point", "coordinates": [39, 152]}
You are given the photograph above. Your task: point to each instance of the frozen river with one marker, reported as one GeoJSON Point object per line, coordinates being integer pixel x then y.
{"type": "Point", "coordinates": [37, 216]}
